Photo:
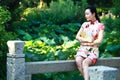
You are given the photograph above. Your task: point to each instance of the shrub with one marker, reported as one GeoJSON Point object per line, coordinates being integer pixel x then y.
{"type": "Point", "coordinates": [59, 19]}
{"type": "Point", "coordinates": [111, 43]}
{"type": "Point", "coordinates": [4, 37]}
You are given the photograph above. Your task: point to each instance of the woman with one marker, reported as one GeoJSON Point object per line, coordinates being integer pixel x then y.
{"type": "Point", "coordinates": [89, 35]}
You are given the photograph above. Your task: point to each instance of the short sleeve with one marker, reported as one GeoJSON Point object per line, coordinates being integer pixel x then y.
{"type": "Point", "coordinates": [101, 27]}
{"type": "Point", "coordinates": [84, 24]}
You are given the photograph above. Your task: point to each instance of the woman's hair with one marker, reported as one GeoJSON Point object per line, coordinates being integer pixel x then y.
{"type": "Point", "coordinates": [93, 10]}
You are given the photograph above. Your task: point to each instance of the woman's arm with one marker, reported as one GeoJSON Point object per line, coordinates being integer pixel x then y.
{"type": "Point", "coordinates": [97, 41]}
{"type": "Point", "coordinates": [78, 37]}
{"type": "Point", "coordinates": [81, 38]}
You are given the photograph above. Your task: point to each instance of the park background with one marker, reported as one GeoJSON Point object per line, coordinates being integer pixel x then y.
{"type": "Point", "coordinates": [49, 27]}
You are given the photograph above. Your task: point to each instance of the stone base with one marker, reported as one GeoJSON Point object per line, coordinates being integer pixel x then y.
{"type": "Point", "coordinates": [102, 73]}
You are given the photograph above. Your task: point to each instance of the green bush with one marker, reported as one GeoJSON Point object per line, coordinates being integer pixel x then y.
{"type": "Point", "coordinates": [116, 8]}
{"type": "Point", "coordinates": [74, 75]}
{"type": "Point", "coordinates": [59, 19]}
{"type": "Point", "coordinates": [4, 37]}
{"type": "Point", "coordinates": [5, 16]}
{"type": "Point", "coordinates": [111, 43]}
{"type": "Point", "coordinates": [37, 50]}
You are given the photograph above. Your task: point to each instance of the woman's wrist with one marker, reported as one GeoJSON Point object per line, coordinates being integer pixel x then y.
{"type": "Point", "coordinates": [92, 43]}
{"type": "Point", "coordinates": [80, 39]}
{"type": "Point", "coordinates": [87, 44]}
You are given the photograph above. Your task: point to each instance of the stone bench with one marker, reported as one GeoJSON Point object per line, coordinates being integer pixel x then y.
{"type": "Point", "coordinates": [103, 73]}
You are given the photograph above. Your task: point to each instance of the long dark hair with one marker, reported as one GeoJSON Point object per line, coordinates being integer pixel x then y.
{"type": "Point", "coordinates": [93, 10]}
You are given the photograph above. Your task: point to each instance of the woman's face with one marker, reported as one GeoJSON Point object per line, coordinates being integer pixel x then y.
{"type": "Point", "coordinates": [89, 16]}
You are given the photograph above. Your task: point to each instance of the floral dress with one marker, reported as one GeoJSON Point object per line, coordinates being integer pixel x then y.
{"type": "Point", "coordinates": [90, 31]}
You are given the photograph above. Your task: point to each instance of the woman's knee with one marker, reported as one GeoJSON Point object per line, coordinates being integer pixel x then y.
{"type": "Point", "coordinates": [86, 62]}
{"type": "Point", "coordinates": [78, 59]}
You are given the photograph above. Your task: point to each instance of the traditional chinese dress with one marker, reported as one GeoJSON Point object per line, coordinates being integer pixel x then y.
{"type": "Point", "coordinates": [90, 31]}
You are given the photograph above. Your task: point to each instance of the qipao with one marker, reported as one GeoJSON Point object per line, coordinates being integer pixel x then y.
{"type": "Point", "coordinates": [89, 31]}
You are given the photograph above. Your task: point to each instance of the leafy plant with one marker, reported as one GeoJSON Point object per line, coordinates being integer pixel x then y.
{"type": "Point", "coordinates": [37, 50]}
{"type": "Point", "coordinates": [116, 8]}
{"type": "Point", "coordinates": [4, 37]}
{"type": "Point", "coordinates": [60, 17]}
{"type": "Point", "coordinates": [111, 43]}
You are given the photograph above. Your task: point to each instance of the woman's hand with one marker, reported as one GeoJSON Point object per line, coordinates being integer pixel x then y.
{"type": "Point", "coordinates": [84, 40]}
{"type": "Point", "coordinates": [88, 39]}
{"type": "Point", "coordinates": [87, 44]}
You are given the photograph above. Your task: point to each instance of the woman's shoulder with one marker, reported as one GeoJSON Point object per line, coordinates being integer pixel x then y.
{"type": "Point", "coordinates": [101, 26]}
{"type": "Point", "coordinates": [85, 24]}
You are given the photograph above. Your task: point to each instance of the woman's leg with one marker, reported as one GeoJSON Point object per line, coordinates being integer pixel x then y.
{"type": "Point", "coordinates": [85, 66]}
{"type": "Point", "coordinates": [79, 60]}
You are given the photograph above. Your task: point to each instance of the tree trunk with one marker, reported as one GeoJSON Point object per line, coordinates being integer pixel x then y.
{"type": "Point", "coordinates": [41, 4]}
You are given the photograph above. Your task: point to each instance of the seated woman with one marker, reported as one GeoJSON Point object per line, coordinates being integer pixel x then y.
{"type": "Point", "coordinates": [89, 35]}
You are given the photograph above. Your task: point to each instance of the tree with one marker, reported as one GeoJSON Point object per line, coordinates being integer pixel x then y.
{"type": "Point", "coordinates": [116, 8]}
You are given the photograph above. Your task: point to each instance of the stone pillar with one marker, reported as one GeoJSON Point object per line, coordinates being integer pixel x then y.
{"type": "Point", "coordinates": [28, 77]}
{"type": "Point", "coordinates": [15, 61]}
{"type": "Point", "coordinates": [102, 73]}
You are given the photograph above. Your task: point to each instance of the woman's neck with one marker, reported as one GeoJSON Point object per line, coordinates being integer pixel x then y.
{"type": "Point", "coordinates": [93, 20]}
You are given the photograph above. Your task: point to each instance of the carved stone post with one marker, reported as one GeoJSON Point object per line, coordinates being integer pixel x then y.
{"type": "Point", "coordinates": [15, 61]}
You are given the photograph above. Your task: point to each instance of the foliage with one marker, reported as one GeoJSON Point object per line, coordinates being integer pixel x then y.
{"type": "Point", "coordinates": [4, 37]}
{"type": "Point", "coordinates": [37, 50]}
{"type": "Point", "coordinates": [10, 4]}
{"type": "Point", "coordinates": [37, 23]}
{"type": "Point", "coordinates": [116, 8]}
{"type": "Point", "coordinates": [101, 3]}
{"type": "Point", "coordinates": [5, 15]}
{"type": "Point", "coordinates": [111, 42]}
{"type": "Point", "coordinates": [30, 3]}
{"type": "Point", "coordinates": [58, 76]}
